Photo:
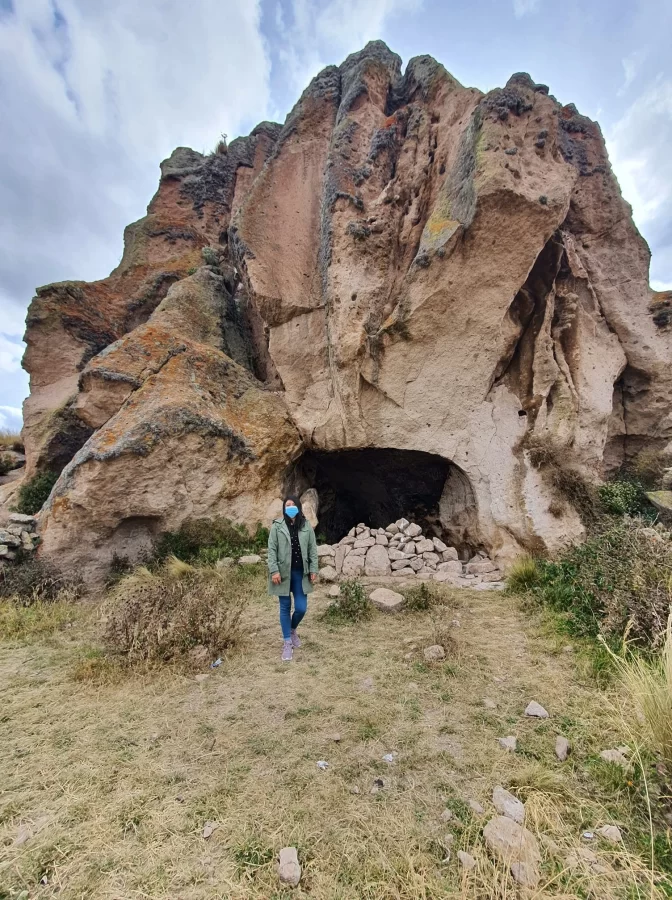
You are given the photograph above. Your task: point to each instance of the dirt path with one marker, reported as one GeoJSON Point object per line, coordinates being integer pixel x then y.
{"type": "Point", "coordinates": [112, 785]}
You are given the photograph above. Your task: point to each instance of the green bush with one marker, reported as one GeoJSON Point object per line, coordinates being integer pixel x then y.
{"type": "Point", "coordinates": [351, 605]}
{"type": "Point", "coordinates": [35, 492]}
{"type": "Point", "coordinates": [6, 464]}
{"type": "Point", "coordinates": [420, 597]}
{"type": "Point", "coordinates": [208, 540]}
{"type": "Point", "coordinates": [625, 497]}
{"type": "Point", "coordinates": [617, 581]}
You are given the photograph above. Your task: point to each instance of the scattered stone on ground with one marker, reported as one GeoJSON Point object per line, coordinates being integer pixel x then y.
{"type": "Point", "coordinates": [434, 653]}
{"type": "Point", "coordinates": [476, 807]}
{"type": "Point", "coordinates": [616, 756]}
{"type": "Point", "coordinates": [508, 805]}
{"type": "Point", "coordinates": [583, 858]}
{"type": "Point", "coordinates": [251, 560]}
{"type": "Point", "coordinates": [515, 846]}
{"type": "Point", "coordinates": [611, 833]}
{"type": "Point", "coordinates": [334, 591]}
{"type": "Point", "coordinates": [208, 829]}
{"type": "Point", "coordinates": [447, 815]}
{"type": "Point", "coordinates": [561, 748]}
{"type": "Point", "coordinates": [508, 743]}
{"type": "Point", "coordinates": [387, 600]}
{"type": "Point", "coordinates": [489, 703]}
{"type": "Point", "coordinates": [536, 710]}
{"type": "Point", "coordinates": [467, 861]}
{"type": "Point", "coordinates": [289, 870]}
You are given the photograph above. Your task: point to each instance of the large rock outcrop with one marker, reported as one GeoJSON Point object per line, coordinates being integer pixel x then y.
{"type": "Point", "coordinates": [406, 264]}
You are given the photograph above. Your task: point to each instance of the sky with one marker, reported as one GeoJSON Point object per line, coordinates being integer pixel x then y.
{"type": "Point", "coordinates": [95, 93]}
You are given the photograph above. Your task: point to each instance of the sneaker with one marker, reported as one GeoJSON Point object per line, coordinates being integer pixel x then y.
{"type": "Point", "coordinates": [287, 651]}
{"type": "Point", "coordinates": [296, 641]}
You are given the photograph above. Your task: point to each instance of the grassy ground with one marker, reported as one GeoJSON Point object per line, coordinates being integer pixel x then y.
{"type": "Point", "coordinates": [107, 781]}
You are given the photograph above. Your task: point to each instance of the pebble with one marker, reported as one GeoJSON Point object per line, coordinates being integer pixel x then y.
{"type": "Point", "coordinates": [508, 743]}
{"type": "Point", "coordinates": [610, 833]}
{"type": "Point", "coordinates": [434, 653]}
{"type": "Point", "coordinates": [476, 807]}
{"type": "Point", "coordinates": [561, 748]}
{"type": "Point", "coordinates": [289, 870]}
{"type": "Point", "coordinates": [467, 861]}
{"type": "Point", "coordinates": [208, 829]}
{"type": "Point", "coordinates": [536, 710]}
{"type": "Point", "coordinates": [508, 805]}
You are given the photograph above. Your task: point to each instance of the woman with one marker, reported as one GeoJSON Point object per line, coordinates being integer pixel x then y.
{"type": "Point", "coordinates": [292, 569]}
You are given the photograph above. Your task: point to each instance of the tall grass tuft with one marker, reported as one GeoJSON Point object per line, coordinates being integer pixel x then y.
{"type": "Point", "coordinates": [523, 575]}
{"type": "Point", "coordinates": [647, 683]}
{"type": "Point", "coordinates": [161, 615]}
{"type": "Point", "coordinates": [351, 606]}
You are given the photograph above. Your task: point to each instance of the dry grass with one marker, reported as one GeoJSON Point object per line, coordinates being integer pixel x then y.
{"type": "Point", "coordinates": [114, 779]}
{"type": "Point", "coordinates": [164, 614]}
{"type": "Point", "coordinates": [647, 684]}
{"type": "Point", "coordinates": [11, 440]}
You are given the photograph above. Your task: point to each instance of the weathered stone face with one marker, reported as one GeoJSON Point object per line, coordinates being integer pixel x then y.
{"type": "Point", "coordinates": [408, 265]}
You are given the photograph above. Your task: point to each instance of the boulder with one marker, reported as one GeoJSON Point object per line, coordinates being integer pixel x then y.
{"type": "Point", "coordinates": [616, 756]}
{"type": "Point", "coordinates": [402, 524]}
{"type": "Point", "coordinates": [516, 847]}
{"type": "Point", "coordinates": [416, 564]}
{"type": "Point", "coordinates": [395, 555]}
{"type": "Point", "coordinates": [453, 566]}
{"type": "Point", "coordinates": [393, 528]}
{"type": "Point", "coordinates": [400, 563]}
{"type": "Point", "coordinates": [481, 567]}
{"type": "Point", "coordinates": [439, 546]}
{"type": "Point", "coordinates": [434, 653]}
{"type": "Point", "coordinates": [341, 326]}
{"type": "Point", "coordinates": [387, 600]}
{"type": "Point", "coordinates": [352, 566]}
{"type": "Point", "coordinates": [26, 521]}
{"type": "Point", "coordinates": [341, 551]}
{"type": "Point", "coordinates": [250, 560]}
{"type": "Point", "coordinates": [377, 562]}
{"type": "Point", "coordinates": [325, 550]}
{"type": "Point", "coordinates": [611, 833]}
{"type": "Point", "coordinates": [364, 542]}
{"type": "Point", "coordinates": [413, 530]}
{"type": "Point", "coordinates": [449, 555]}
{"type": "Point", "coordinates": [424, 546]}
{"type": "Point", "coordinates": [328, 574]}
{"type": "Point", "coordinates": [403, 573]}
{"type": "Point", "coordinates": [431, 558]}
{"type": "Point", "coordinates": [382, 539]}
{"type": "Point", "coordinates": [508, 743]}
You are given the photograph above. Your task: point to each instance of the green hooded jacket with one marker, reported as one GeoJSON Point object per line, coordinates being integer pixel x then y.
{"type": "Point", "coordinates": [280, 556]}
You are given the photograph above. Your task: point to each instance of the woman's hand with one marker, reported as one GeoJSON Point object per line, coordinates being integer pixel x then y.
{"type": "Point", "coordinates": [276, 578]}
{"type": "Point", "coordinates": [313, 578]}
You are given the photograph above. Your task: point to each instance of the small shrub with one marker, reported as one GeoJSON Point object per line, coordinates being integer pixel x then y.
{"type": "Point", "coordinates": [616, 580]}
{"type": "Point", "coordinates": [567, 482]}
{"type": "Point", "coordinates": [352, 604]}
{"type": "Point", "coordinates": [623, 497]}
{"type": "Point", "coordinates": [32, 580]}
{"type": "Point", "coordinates": [222, 146]}
{"type": "Point", "coordinates": [210, 256]}
{"type": "Point", "coordinates": [6, 464]}
{"type": "Point", "coordinates": [208, 540]}
{"type": "Point", "coordinates": [35, 492]}
{"type": "Point", "coordinates": [421, 597]}
{"type": "Point", "coordinates": [159, 616]}
{"type": "Point", "coordinates": [523, 575]}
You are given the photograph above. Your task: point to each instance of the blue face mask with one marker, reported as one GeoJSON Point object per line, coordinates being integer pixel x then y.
{"type": "Point", "coordinates": [291, 511]}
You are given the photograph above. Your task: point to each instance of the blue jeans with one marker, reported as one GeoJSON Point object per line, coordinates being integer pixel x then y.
{"type": "Point", "coordinates": [289, 620]}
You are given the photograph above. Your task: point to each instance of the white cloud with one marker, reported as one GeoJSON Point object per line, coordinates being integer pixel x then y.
{"type": "Point", "coordinates": [324, 33]}
{"type": "Point", "coordinates": [10, 418]}
{"type": "Point", "coordinates": [523, 7]}
{"type": "Point", "coordinates": [631, 66]}
{"type": "Point", "coordinates": [639, 148]}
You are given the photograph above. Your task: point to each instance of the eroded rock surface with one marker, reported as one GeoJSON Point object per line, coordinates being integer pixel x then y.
{"type": "Point", "coordinates": [406, 263]}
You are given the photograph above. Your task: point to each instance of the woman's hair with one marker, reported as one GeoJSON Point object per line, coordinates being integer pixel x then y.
{"type": "Point", "coordinates": [299, 518]}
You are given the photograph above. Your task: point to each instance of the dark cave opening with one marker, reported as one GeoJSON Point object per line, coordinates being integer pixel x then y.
{"type": "Point", "coordinates": [377, 486]}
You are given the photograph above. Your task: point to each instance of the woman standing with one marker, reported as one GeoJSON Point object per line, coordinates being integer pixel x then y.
{"type": "Point", "coordinates": [292, 569]}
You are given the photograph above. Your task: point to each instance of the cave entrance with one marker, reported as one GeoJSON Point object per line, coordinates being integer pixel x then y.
{"type": "Point", "coordinates": [379, 485]}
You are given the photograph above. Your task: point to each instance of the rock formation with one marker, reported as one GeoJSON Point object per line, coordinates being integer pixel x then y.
{"type": "Point", "coordinates": [406, 267]}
